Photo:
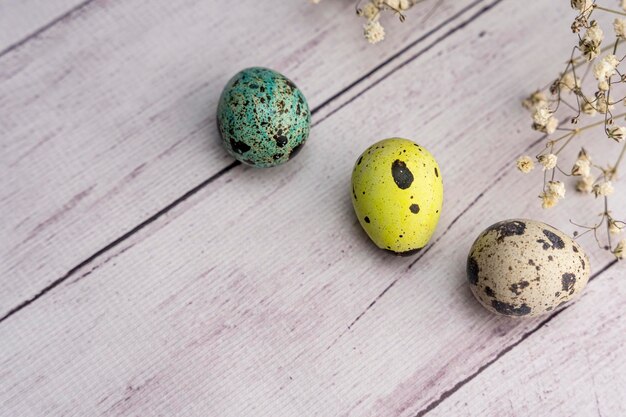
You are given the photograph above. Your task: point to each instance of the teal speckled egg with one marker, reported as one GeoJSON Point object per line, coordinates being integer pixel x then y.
{"type": "Point", "coordinates": [263, 117]}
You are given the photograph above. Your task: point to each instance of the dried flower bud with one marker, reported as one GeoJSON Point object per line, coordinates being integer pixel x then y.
{"type": "Point", "coordinates": [619, 25]}
{"type": "Point", "coordinates": [525, 164]}
{"type": "Point", "coordinates": [582, 6]}
{"type": "Point", "coordinates": [548, 161]}
{"type": "Point", "coordinates": [617, 133]}
{"type": "Point", "coordinates": [582, 168]}
{"type": "Point", "coordinates": [615, 227]}
{"type": "Point", "coordinates": [620, 249]}
{"type": "Point", "coordinates": [583, 155]}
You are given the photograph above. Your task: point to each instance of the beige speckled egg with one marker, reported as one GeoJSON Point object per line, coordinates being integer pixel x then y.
{"type": "Point", "coordinates": [525, 268]}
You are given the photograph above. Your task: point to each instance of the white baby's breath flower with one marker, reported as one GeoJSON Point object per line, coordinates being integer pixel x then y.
{"type": "Point", "coordinates": [541, 115]}
{"type": "Point", "coordinates": [594, 33]}
{"type": "Point", "coordinates": [548, 161]}
{"type": "Point", "coordinates": [604, 189]}
{"type": "Point", "coordinates": [553, 123]}
{"type": "Point", "coordinates": [588, 108]}
{"type": "Point", "coordinates": [620, 249]}
{"type": "Point", "coordinates": [619, 25]}
{"type": "Point", "coordinates": [373, 31]}
{"type": "Point", "coordinates": [602, 106]}
{"type": "Point", "coordinates": [582, 168]}
{"type": "Point", "coordinates": [603, 85]}
{"type": "Point", "coordinates": [369, 11]}
{"type": "Point", "coordinates": [585, 184]}
{"type": "Point", "coordinates": [536, 99]}
{"type": "Point", "coordinates": [543, 120]}
{"type": "Point", "coordinates": [569, 81]}
{"type": "Point", "coordinates": [556, 188]}
{"type": "Point", "coordinates": [548, 200]}
{"type": "Point", "coordinates": [582, 6]}
{"type": "Point", "coordinates": [525, 164]}
{"type": "Point", "coordinates": [606, 67]}
{"type": "Point", "coordinates": [590, 43]}
{"type": "Point", "coordinates": [404, 4]}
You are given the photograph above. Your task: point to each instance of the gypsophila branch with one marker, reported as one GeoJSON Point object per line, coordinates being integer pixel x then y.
{"type": "Point", "coordinates": [590, 51]}
{"type": "Point", "coordinates": [371, 11]}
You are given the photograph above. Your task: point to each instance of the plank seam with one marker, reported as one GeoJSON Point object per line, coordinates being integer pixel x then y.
{"type": "Point", "coordinates": [415, 56]}
{"type": "Point", "coordinates": [446, 394]}
{"type": "Point", "coordinates": [396, 55]}
{"type": "Point", "coordinates": [45, 27]}
{"type": "Point", "coordinates": [119, 240]}
{"type": "Point", "coordinates": [206, 182]}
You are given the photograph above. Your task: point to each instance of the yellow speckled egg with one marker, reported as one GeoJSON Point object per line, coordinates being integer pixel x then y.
{"type": "Point", "coordinates": [397, 194]}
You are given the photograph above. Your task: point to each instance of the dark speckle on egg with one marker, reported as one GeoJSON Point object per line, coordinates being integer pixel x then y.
{"type": "Point", "coordinates": [508, 228]}
{"type": "Point", "coordinates": [568, 280]}
{"type": "Point", "coordinates": [472, 270]}
{"type": "Point", "coordinates": [557, 242]}
{"type": "Point", "coordinates": [402, 176]}
{"type": "Point", "coordinates": [489, 292]}
{"type": "Point", "coordinates": [281, 140]}
{"type": "Point", "coordinates": [510, 309]}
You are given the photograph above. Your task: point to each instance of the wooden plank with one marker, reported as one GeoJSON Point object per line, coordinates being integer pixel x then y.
{"type": "Point", "coordinates": [111, 113]}
{"type": "Point", "coordinates": [23, 19]}
{"type": "Point", "coordinates": [573, 366]}
{"type": "Point", "coordinates": [260, 294]}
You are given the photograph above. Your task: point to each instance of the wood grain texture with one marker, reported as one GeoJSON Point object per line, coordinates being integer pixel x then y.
{"type": "Point", "coordinates": [573, 366]}
{"type": "Point", "coordinates": [260, 293]}
{"type": "Point", "coordinates": [21, 20]}
{"type": "Point", "coordinates": [111, 113]}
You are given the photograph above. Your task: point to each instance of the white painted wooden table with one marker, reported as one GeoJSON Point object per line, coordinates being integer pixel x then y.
{"type": "Point", "coordinates": [144, 273]}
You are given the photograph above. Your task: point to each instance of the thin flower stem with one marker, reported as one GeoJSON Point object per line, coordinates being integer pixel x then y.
{"type": "Point", "coordinates": [604, 9]}
{"type": "Point", "coordinates": [620, 158]}
{"type": "Point", "coordinates": [608, 223]}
